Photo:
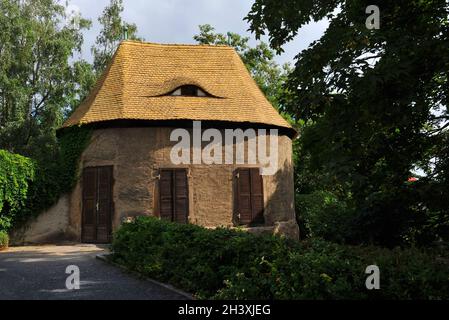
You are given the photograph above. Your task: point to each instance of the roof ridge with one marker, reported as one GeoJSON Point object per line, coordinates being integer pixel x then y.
{"type": "Point", "coordinates": [121, 65]}
{"type": "Point", "coordinates": [189, 45]}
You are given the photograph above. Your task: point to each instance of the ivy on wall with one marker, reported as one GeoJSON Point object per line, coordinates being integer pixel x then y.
{"type": "Point", "coordinates": [72, 143]}
{"type": "Point", "coordinates": [54, 175]}
{"type": "Point", "coordinates": [16, 172]}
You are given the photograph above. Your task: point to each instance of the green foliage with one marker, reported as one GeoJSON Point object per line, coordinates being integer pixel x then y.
{"type": "Point", "coordinates": [84, 78]}
{"type": "Point", "coordinates": [37, 81]}
{"type": "Point", "coordinates": [57, 173]}
{"type": "Point", "coordinates": [230, 264]}
{"type": "Point", "coordinates": [16, 172]}
{"type": "Point", "coordinates": [72, 143]}
{"type": "Point", "coordinates": [4, 239]}
{"type": "Point", "coordinates": [375, 108]}
{"type": "Point", "coordinates": [323, 215]}
{"type": "Point", "coordinates": [112, 32]}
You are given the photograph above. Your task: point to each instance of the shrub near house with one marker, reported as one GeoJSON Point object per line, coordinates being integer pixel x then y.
{"type": "Point", "coordinates": [229, 264]}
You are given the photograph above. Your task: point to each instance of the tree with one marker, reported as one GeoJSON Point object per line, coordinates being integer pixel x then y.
{"type": "Point", "coordinates": [113, 29]}
{"type": "Point", "coordinates": [37, 81]}
{"type": "Point", "coordinates": [259, 60]}
{"type": "Point", "coordinates": [374, 105]}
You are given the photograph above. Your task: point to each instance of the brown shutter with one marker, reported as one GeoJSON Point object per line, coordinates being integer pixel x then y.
{"type": "Point", "coordinates": [174, 196]}
{"type": "Point", "coordinates": [256, 196]}
{"type": "Point", "coordinates": [166, 195]}
{"type": "Point", "coordinates": [89, 203]}
{"type": "Point", "coordinates": [180, 196]}
{"type": "Point", "coordinates": [249, 196]}
{"type": "Point", "coordinates": [244, 196]}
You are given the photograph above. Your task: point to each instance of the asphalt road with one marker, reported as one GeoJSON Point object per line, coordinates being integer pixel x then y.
{"type": "Point", "coordinates": [39, 272]}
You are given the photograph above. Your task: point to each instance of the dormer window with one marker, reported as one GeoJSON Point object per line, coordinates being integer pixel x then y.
{"type": "Point", "coordinates": [189, 91]}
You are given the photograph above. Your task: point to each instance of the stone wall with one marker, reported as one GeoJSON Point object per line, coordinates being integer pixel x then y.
{"type": "Point", "coordinates": [49, 226]}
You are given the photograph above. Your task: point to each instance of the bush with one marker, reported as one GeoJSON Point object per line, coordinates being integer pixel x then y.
{"type": "Point", "coordinates": [230, 264]}
{"type": "Point", "coordinates": [322, 215]}
{"type": "Point", "coordinates": [4, 240]}
{"type": "Point", "coordinates": [16, 172]}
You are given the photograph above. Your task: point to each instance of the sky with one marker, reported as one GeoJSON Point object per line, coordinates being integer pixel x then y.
{"type": "Point", "coordinates": [176, 21]}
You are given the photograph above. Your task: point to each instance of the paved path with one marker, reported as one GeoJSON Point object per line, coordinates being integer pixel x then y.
{"type": "Point", "coordinates": [38, 272]}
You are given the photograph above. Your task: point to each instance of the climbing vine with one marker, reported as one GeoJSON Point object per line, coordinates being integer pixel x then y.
{"type": "Point", "coordinates": [56, 174]}
{"type": "Point", "coordinates": [72, 143]}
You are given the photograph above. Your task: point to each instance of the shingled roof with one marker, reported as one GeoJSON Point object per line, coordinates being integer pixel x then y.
{"type": "Point", "coordinates": [136, 84]}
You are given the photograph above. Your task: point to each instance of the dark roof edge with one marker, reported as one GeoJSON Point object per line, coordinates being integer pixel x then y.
{"type": "Point", "coordinates": [184, 123]}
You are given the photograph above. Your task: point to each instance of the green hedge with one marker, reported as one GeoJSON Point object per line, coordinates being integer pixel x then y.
{"type": "Point", "coordinates": [230, 264]}
{"type": "Point", "coordinates": [16, 172]}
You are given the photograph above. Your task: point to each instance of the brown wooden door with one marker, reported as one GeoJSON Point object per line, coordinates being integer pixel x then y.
{"type": "Point", "coordinates": [97, 205]}
{"type": "Point", "coordinates": [173, 195]}
{"type": "Point", "coordinates": [249, 196]}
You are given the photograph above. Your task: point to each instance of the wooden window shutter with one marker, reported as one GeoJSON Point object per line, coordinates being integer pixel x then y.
{"type": "Point", "coordinates": [181, 201]}
{"type": "Point", "coordinates": [249, 195]}
{"type": "Point", "coordinates": [256, 196]}
{"type": "Point", "coordinates": [244, 196]}
{"type": "Point", "coordinates": [173, 195]}
{"type": "Point", "coordinates": [166, 194]}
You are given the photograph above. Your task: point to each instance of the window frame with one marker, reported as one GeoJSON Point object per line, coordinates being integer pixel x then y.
{"type": "Point", "coordinates": [181, 91]}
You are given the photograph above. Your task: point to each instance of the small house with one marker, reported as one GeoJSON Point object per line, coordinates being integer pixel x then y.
{"type": "Point", "coordinates": [140, 162]}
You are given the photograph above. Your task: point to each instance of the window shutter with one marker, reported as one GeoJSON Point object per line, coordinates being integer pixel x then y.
{"type": "Point", "coordinates": [166, 195]}
{"type": "Point", "coordinates": [256, 196]}
{"type": "Point", "coordinates": [174, 196]}
{"type": "Point", "coordinates": [249, 196]}
{"type": "Point", "coordinates": [181, 196]}
{"type": "Point", "coordinates": [244, 196]}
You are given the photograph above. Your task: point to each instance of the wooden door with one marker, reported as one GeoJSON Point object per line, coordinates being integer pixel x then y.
{"type": "Point", "coordinates": [173, 195]}
{"type": "Point", "coordinates": [249, 196]}
{"type": "Point", "coordinates": [97, 204]}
